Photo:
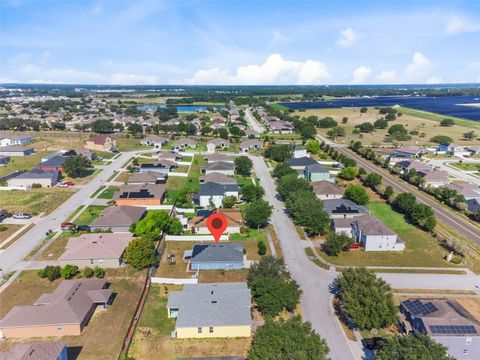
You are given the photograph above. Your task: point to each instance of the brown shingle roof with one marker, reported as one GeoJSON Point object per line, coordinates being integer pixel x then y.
{"type": "Point", "coordinates": [119, 216]}
{"type": "Point", "coordinates": [326, 187]}
{"type": "Point", "coordinates": [49, 350]}
{"type": "Point", "coordinates": [218, 178]}
{"type": "Point", "coordinates": [234, 218]}
{"type": "Point", "coordinates": [96, 246]}
{"type": "Point", "coordinates": [370, 225]}
{"type": "Point", "coordinates": [146, 177]}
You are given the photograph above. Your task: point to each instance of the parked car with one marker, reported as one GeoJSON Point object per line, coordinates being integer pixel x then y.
{"type": "Point", "coordinates": [22, 216]}
{"type": "Point", "coordinates": [372, 343]}
{"type": "Point", "coordinates": [67, 225]}
{"type": "Point", "coordinates": [82, 228]}
{"type": "Point", "coordinates": [62, 185]}
{"type": "Point", "coordinates": [69, 183]}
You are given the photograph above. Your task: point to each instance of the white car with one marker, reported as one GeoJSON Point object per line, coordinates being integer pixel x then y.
{"type": "Point", "coordinates": [21, 216]}
{"type": "Point", "coordinates": [62, 185]}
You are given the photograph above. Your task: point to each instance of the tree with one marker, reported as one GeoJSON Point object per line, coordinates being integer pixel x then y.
{"type": "Point", "coordinates": [308, 131]}
{"type": "Point", "coordinates": [229, 201]}
{"type": "Point", "coordinates": [447, 122]}
{"type": "Point", "coordinates": [313, 146]}
{"type": "Point", "coordinates": [411, 347]}
{"type": "Point", "coordinates": [50, 272]}
{"type": "Point", "coordinates": [141, 253]}
{"type": "Point", "coordinates": [348, 173]}
{"type": "Point", "coordinates": [357, 194]}
{"type": "Point", "coordinates": [404, 202]}
{"type": "Point", "coordinates": [135, 129]}
{"type": "Point", "coordinates": [69, 271]}
{"type": "Point", "coordinates": [397, 128]}
{"type": "Point", "coordinates": [423, 216]}
{"type": "Point", "coordinates": [367, 299]}
{"type": "Point", "coordinates": [154, 223]}
{"type": "Point", "coordinates": [363, 110]}
{"type": "Point", "coordinates": [336, 132]}
{"type": "Point", "coordinates": [291, 339]}
{"type": "Point", "coordinates": [252, 192]}
{"type": "Point", "coordinates": [372, 180]}
{"type": "Point", "coordinates": [336, 243]}
{"type": "Point", "coordinates": [365, 127]}
{"type": "Point", "coordinates": [280, 152]}
{"type": "Point", "coordinates": [103, 126]}
{"type": "Point", "coordinates": [268, 266]}
{"type": "Point", "coordinates": [283, 169]}
{"type": "Point", "coordinates": [380, 124]}
{"type": "Point", "coordinates": [76, 166]}
{"type": "Point", "coordinates": [344, 120]}
{"type": "Point", "coordinates": [288, 184]}
{"type": "Point", "coordinates": [327, 122]}
{"type": "Point", "coordinates": [243, 166]}
{"type": "Point", "coordinates": [388, 192]}
{"type": "Point", "coordinates": [223, 133]}
{"type": "Point", "coordinates": [441, 139]}
{"type": "Point", "coordinates": [257, 213]}
{"type": "Point", "coordinates": [469, 135]}
{"type": "Point", "coordinates": [262, 248]}
{"type": "Point", "coordinates": [307, 210]}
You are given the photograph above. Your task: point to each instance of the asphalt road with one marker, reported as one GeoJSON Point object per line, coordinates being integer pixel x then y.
{"type": "Point", "coordinates": [253, 122]}
{"type": "Point", "coordinates": [314, 281]}
{"type": "Point", "coordinates": [450, 217]}
{"type": "Point", "coordinates": [452, 171]}
{"type": "Point", "coordinates": [16, 252]}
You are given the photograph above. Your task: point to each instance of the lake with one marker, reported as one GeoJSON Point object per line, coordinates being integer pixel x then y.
{"type": "Point", "coordinates": [445, 105]}
{"type": "Point", "coordinates": [181, 108]}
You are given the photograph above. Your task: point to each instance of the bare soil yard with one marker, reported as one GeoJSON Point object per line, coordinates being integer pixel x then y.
{"type": "Point", "coordinates": [34, 201]}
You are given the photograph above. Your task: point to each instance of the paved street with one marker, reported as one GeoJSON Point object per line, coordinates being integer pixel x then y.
{"type": "Point", "coordinates": [450, 217]}
{"type": "Point", "coordinates": [442, 164]}
{"type": "Point", "coordinates": [16, 252]}
{"type": "Point", "coordinates": [254, 124]}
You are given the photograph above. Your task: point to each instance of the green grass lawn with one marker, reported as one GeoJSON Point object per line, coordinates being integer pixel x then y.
{"type": "Point", "coordinates": [437, 117]}
{"type": "Point", "coordinates": [193, 179]}
{"type": "Point", "coordinates": [91, 213]}
{"type": "Point", "coordinates": [130, 144]}
{"type": "Point", "coordinates": [97, 191]}
{"type": "Point", "coordinates": [34, 201]}
{"type": "Point", "coordinates": [421, 248]}
{"type": "Point", "coordinates": [242, 181]}
{"type": "Point", "coordinates": [186, 158]}
{"type": "Point", "coordinates": [23, 163]}
{"type": "Point", "coordinates": [108, 193]}
{"type": "Point", "coordinates": [154, 313]}
{"type": "Point", "coordinates": [466, 166]}
{"type": "Point", "coordinates": [105, 154]}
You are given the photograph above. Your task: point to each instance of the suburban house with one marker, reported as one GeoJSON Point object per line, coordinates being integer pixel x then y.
{"type": "Point", "coordinates": [215, 157]}
{"type": "Point", "coordinates": [343, 208]}
{"type": "Point", "coordinates": [473, 205]}
{"type": "Point", "coordinates": [155, 141]}
{"type": "Point", "coordinates": [221, 121]}
{"type": "Point", "coordinates": [96, 249]}
{"type": "Point", "coordinates": [65, 311]}
{"type": "Point", "coordinates": [16, 150]}
{"type": "Point", "coordinates": [434, 178]}
{"type": "Point", "coordinates": [140, 195]}
{"type": "Point", "coordinates": [447, 322]}
{"type": "Point", "coordinates": [406, 165]}
{"type": "Point", "coordinates": [213, 192]}
{"type": "Point", "coordinates": [35, 176]}
{"type": "Point", "coordinates": [217, 143]}
{"type": "Point", "coordinates": [452, 149]}
{"type": "Point", "coordinates": [198, 223]}
{"type": "Point", "coordinates": [300, 163]}
{"type": "Point", "coordinates": [467, 190]}
{"type": "Point", "coordinates": [218, 178]}
{"type": "Point", "coordinates": [101, 143]}
{"type": "Point", "coordinates": [316, 172]}
{"type": "Point", "coordinates": [53, 164]}
{"type": "Point", "coordinates": [222, 167]}
{"type": "Point", "coordinates": [372, 234]}
{"type": "Point", "coordinates": [4, 160]}
{"type": "Point", "coordinates": [81, 151]}
{"type": "Point", "coordinates": [474, 150]}
{"type": "Point", "coordinates": [278, 126]}
{"type": "Point", "coordinates": [48, 350]}
{"type": "Point", "coordinates": [250, 144]}
{"type": "Point", "coordinates": [299, 151]}
{"type": "Point", "coordinates": [118, 218]}
{"type": "Point", "coordinates": [168, 155]}
{"type": "Point", "coordinates": [182, 144]}
{"type": "Point", "coordinates": [160, 166]}
{"type": "Point", "coordinates": [224, 256]}
{"type": "Point", "coordinates": [147, 177]}
{"type": "Point", "coordinates": [12, 140]}
{"type": "Point", "coordinates": [405, 152]}
{"type": "Point", "coordinates": [211, 310]}
{"type": "Point", "coordinates": [326, 190]}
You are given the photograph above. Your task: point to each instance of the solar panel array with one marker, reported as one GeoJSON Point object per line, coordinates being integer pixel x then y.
{"type": "Point", "coordinates": [416, 307]}
{"type": "Point", "coordinates": [453, 330]}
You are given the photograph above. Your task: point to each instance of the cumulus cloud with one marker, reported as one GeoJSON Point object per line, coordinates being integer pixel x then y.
{"type": "Point", "coordinates": [348, 37]}
{"type": "Point", "coordinates": [387, 76]}
{"type": "Point", "coordinates": [419, 67]}
{"type": "Point", "coordinates": [360, 75]}
{"type": "Point", "coordinates": [457, 25]}
{"type": "Point", "coordinates": [275, 70]}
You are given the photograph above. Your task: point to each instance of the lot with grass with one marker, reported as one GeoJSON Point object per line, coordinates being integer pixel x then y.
{"type": "Point", "coordinates": [152, 339]}
{"type": "Point", "coordinates": [23, 163]}
{"type": "Point", "coordinates": [55, 249]}
{"type": "Point", "coordinates": [9, 231]}
{"type": "Point", "coordinates": [108, 192]}
{"type": "Point", "coordinates": [130, 144]}
{"type": "Point", "coordinates": [123, 176]}
{"type": "Point", "coordinates": [34, 201]}
{"type": "Point", "coordinates": [192, 181]}
{"type": "Point", "coordinates": [466, 166]}
{"type": "Point", "coordinates": [426, 127]}
{"type": "Point", "coordinates": [91, 213]}
{"type": "Point", "coordinates": [421, 248]}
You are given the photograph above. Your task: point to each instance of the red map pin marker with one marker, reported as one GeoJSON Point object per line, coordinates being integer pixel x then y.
{"type": "Point", "coordinates": [217, 223]}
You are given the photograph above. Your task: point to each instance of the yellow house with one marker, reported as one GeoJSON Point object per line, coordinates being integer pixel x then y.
{"type": "Point", "coordinates": [211, 310]}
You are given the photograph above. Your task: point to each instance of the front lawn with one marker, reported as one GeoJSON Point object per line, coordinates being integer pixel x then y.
{"type": "Point", "coordinates": [108, 193]}
{"type": "Point", "coordinates": [91, 213]}
{"type": "Point", "coordinates": [466, 166]}
{"type": "Point", "coordinates": [422, 250]}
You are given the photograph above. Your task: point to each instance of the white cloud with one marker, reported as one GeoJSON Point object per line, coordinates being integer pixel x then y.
{"type": "Point", "coordinates": [277, 38]}
{"type": "Point", "coordinates": [275, 70]}
{"type": "Point", "coordinates": [347, 37]}
{"type": "Point", "coordinates": [134, 79]}
{"type": "Point", "coordinates": [434, 80]}
{"type": "Point", "coordinates": [387, 77]}
{"type": "Point", "coordinates": [458, 25]}
{"type": "Point", "coordinates": [419, 68]}
{"type": "Point", "coordinates": [360, 75]}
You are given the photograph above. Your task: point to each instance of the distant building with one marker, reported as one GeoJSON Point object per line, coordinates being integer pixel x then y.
{"type": "Point", "coordinates": [16, 150]}
{"type": "Point", "coordinates": [12, 140]}
{"type": "Point", "coordinates": [35, 176]}
{"type": "Point", "coordinates": [147, 177]}
{"type": "Point", "coordinates": [406, 152]}
{"type": "Point", "coordinates": [447, 322]}
{"type": "Point", "coordinates": [224, 256]}
{"type": "Point", "coordinates": [218, 178]}
{"type": "Point", "coordinates": [53, 164]}
{"type": "Point", "coordinates": [65, 311]}
{"type": "Point", "coordinates": [452, 149]}
{"type": "Point", "coordinates": [374, 235]}
{"type": "Point", "coordinates": [434, 178]}
{"type": "Point", "coordinates": [48, 350]}
{"type": "Point", "coordinates": [216, 157]}
{"type": "Point", "coordinates": [156, 141]}
{"type": "Point", "coordinates": [301, 163]}
{"type": "Point", "coordinates": [101, 143]}
{"type": "Point", "coordinates": [299, 152]}
{"type": "Point", "coordinates": [211, 310]}
{"type": "Point", "coordinates": [217, 143]}
{"type": "Point", "coordinates": [251, 144]}
{"type": "Point", "coordinates": [4, 160]}
{"type": "Point", "coordinates": [182, 144]}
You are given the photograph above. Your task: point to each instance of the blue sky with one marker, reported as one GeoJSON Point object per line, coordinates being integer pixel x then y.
{"type": "Point", "coordinates": [239, 42]}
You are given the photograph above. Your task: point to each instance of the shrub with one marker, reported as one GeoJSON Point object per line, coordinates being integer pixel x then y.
{"type": "Point", "coordinates": [262, 248]}
{"type": "Point", "coordinates": [69, 271]}
{"type": "Point", "coordinates": [99, 272]}
{"type": "Point", "coordinates": [3, 227]}
{"type": "Point", "coordinates": [441, 139]}
{"type": "Point", "coordinates": [88, 272]}
{"type": "Point", "coordinates": [357, 194]}
{"type": "Point", "coordinates": [36, 186]}
{"type": "Point", "coordinates": [50, 272]}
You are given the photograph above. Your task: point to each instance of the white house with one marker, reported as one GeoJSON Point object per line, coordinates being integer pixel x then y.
{"type": "Point", "coordinates": [215, 193]}
{"type": "Point", "coordinates": [222, 167]}
{"type": "Point", "coordinates": [299, 152]}
{"type": "Point", "coordinates": [12, 140]}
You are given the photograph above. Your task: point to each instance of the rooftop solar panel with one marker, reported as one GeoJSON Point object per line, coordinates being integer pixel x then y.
{"type": "Point", "coordinates": [453, 330]}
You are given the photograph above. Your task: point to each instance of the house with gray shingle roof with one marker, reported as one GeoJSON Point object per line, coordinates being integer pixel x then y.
{"type": "Point", "coordinates": [35, 176]}
{"type": "Point", "coordinates": [48, 350]}
{"type": "Point", "coordinates": [118, 218]}
{"type": "Point", "coordinates": [211, 310]}
{"type": "Point", "coordinates": [374, 235]}
{"type": "Point", "coordinates": [222, 167]}
{"type": "Point", "coordinates": [184, 143]}
{"type": "Point", "coordinates": [224, 256]}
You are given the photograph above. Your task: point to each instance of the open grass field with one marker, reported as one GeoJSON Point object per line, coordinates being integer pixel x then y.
{"type": "Point", "coordinates": [108, 193]}
{"type": "Point", "coordinates": [421, 248]}
{"type": "Point", "coordinates": [34, 201]}
{"type": "Point", "coordinates": [91, 213]}
{"type": "Point", "coordinates": [152, 339]}
{"type": "Point", "coordinates": [130, 144]}
{"type": "Point", "coordinates": [466, 166]}
{"type": "Point", "coordinates": [23, 163]}
{"type": "Point", "coordinates": [427, 127]}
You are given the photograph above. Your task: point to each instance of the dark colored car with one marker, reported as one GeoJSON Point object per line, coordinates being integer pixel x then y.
{"type": "Point", "coordinates": [372, 343]}
{"type": "Point", "coordinates": [82, 228]}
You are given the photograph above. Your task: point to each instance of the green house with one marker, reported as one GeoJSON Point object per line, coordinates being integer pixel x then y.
{"type": "Point", "coordinates": [316, 172]}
